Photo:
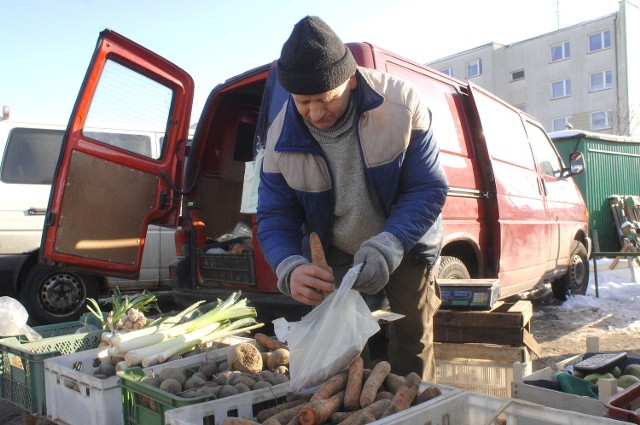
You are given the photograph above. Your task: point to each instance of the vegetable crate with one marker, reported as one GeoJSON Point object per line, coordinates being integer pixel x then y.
{"type": "Point", "coordinates": [525, 389]}
{"type": "Point", "coordinates": [484, 351]}
{"type": "Point", "coordinates": [482, 368]}
{"type": "Point", "coordinates": [468, 408]}
{"type": "Point", "coordinates": [229, 268]}
{"type": "Point", "coordinates": [247, 405]}
{"type": "Point", "coordinates": [136, 395]}
{"type": "Point", "coordinates": [75, 397]}
{"type": "Point", "coordinates": [22, 362]}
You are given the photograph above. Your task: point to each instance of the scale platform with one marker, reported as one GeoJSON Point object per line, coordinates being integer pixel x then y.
{"type": "Point", "coordinates": [468, 294]}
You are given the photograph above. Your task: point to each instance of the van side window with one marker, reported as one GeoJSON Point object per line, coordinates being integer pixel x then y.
{"type": "Point", "coordinates": [547, 159]}
{"type": "Point", "coordinates": [31, 155]}
{"type": "Point", "coordinates": [134, 104]}
{"type": "Point", "coordinates": [504, 132]}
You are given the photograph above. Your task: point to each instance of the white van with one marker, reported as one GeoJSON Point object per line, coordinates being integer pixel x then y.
{"type": "Point", "coordinates": [29, 156]}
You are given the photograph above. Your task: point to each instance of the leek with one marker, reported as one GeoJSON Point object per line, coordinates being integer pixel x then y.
{"type": "Point", "coordinates": [157, 344]}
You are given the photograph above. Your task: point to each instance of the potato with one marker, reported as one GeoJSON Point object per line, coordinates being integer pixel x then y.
{"type": "Point", "coordinates": [279, 357]}
{"type": "Point", "coordinates": [245, 357]}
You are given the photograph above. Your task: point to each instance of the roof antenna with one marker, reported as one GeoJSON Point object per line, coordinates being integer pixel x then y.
{"type": "Point", "coordinates": [558, 14]}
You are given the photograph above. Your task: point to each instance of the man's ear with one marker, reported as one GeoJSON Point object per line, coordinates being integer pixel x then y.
{"type": "Point", "coordinates": [353, 82]}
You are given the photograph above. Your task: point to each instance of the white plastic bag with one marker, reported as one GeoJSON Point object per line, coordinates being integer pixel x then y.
{"type": "Point", "coordinates": [327, 339]}
{"type": "Point", "coordinates": [13, 319]}
{"type": "Point", "coordinates": [249, 201]}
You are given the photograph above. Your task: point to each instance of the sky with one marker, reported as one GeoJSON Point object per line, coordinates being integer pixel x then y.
{"type": "Point", "coordinates": [617, 302]}
{"type": "Point", "coordinates": [47, 45]}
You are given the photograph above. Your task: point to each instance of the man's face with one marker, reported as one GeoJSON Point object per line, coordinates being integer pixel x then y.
{"type": "Point", "coordinates": [324, 109]}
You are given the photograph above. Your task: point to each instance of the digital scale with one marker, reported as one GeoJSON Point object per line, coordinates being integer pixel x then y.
{"type": "Point", "coordinates": [468, 294]}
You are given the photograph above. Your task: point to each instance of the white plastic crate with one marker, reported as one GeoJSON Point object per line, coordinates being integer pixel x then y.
{"type": "Point", "coordinates": [558, 399]}
{"type": "Point", "coordinates": [467, 408]}
{"type": "Point", "coordinates": [79, 398]}
{"type": "Point", "coordinates": [244, 406]}
{"type": "Point", "coordinates": [479, 376]}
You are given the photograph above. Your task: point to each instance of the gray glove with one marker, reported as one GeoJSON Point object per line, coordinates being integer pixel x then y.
{"type": "Point", "coordinates": [381, 254]}
{"type": "Point", "coordinates": [375, 272]}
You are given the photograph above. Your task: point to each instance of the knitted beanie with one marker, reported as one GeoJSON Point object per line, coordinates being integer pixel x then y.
{"type": "Point", "coordinates": [314, 60]}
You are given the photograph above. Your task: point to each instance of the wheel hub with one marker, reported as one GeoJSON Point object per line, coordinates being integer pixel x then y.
{"type": "Point", "coordinates": [577, 270]}
{"type": "Point", "coordinates": [61, 293]}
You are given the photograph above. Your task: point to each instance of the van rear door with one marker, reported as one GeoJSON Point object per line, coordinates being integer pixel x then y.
{"type": "Point", "coordinates": [120, 168]}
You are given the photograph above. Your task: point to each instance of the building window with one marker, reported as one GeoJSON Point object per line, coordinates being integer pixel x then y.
{"type": "Point", "coordinates": [561, 88]}
{"type": "Point", "coordinates": [563, 123]}
{"type": "Point", "coordinates": [601, 120]}
{"type": "Point", "coordinates": [447, 71]}
{"type": "Point", "coordinates": [560, 51]}
{"type": "Point", "coordinates": [517, 75]}
{"type": "Point", "coordinates": [601, 80]}
{"type": "Point", "coordinates": [599, 41]}
{"type": "Point", "coordinates": [474, 68]}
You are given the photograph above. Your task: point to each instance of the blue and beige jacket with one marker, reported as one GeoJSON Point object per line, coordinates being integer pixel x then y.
{"type": "Point", "coordinates": [401, 159]}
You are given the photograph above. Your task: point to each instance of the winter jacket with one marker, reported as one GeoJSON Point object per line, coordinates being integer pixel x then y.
{"type": "Point", "coordinates": [401, 158]}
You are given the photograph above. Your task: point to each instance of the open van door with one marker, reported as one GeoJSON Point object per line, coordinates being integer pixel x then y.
{"type": "Point", "coordinates": [523, 232]}
{"type": "Point", "coordinates": [120, 168]}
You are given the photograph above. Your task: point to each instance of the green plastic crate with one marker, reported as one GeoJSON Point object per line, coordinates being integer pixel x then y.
{"type": "Point", "coordinates": [22, 362]}
{"type": "Point", "coordinates": [136, 395]}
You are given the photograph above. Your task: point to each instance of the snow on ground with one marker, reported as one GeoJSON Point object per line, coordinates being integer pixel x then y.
{"type": "Point", "coordinates": [619, 297]}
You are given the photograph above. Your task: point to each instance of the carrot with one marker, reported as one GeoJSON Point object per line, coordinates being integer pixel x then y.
{"type": "Point", "coordinates": [291, 396]}
{"type": "Point", "coordinates": [265, 414]}
{"type": "Point", "coordinates": [384, 395]}
{"type": "Point", "coordinates": [319, 411]}
{"type": "Point", "coordinates": [374, 382]}
{"type": "Point", "coordinates": [427, 394]}
{"type": "Point", "coordinates": [269, 343]}
{"type": "Point", "coordinates": [317, 253]}
{"type": "Point", "coordinates": [375, 409]}
{"type": "Point", "coordinates": [361, 418]}
{"type": "Point", "coordinates": [285, 416]}
{"type": "Point", "coordinates": [337, 417]}
{"type": "Point", "coordinates": [393, 382]}
{"type": "Point", "coordinates": [238, 421]}
{"type": "Point", "coordinates": [405, 395]}
{"type": "Point", "coordinates": [354, 385]}
{"type": "Point", "coordinates": [330, 387]}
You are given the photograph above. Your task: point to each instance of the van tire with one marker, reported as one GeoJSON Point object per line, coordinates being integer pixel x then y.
{"type": "Point", "coordinates": [54, 296]}
{"type": "Point", "coordinates": [576, 281]}
{"type": "Point", "coordinates": [452, 268]}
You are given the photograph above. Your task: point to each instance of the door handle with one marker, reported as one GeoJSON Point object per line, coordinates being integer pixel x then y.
{"type": "Point", "coordinates": [542, 186]}
{"type": "Point", "coordinates": [36, 211]}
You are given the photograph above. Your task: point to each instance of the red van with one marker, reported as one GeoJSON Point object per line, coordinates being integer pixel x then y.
{"type": "Point", "coordinates": [513, 212]}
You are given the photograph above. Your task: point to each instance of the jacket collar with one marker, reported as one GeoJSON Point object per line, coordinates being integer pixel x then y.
{"type": "Point", "coordinates": [295, 136]}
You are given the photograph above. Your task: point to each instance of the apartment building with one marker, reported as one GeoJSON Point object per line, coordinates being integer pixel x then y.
{"type": "Point", "coordinates": [586, 76]}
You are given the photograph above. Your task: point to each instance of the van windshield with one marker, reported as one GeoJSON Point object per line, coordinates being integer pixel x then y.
{"type": "Point", "coordinates": [31, 155]}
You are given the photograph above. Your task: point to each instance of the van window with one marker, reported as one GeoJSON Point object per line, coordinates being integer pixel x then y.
{"type": "Point", "coordinates": [31, 155]}
{"type": "Point", "coordinates": [546, 157]}
{"type": "Point", "coordinates": [504, 132]}
{"type": "Point", "coordinates": [134, 104]}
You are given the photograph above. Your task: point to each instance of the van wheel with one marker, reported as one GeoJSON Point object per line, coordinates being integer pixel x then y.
{"type": "Point", "coordinates": [54, 296]}
{"type": "Point", "coordinates": [452, 268]}
{"type": "Point", "coordinates": [576, 281]}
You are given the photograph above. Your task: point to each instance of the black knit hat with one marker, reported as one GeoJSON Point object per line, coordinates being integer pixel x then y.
{"type": "Point", "coordinates": [314, 59]}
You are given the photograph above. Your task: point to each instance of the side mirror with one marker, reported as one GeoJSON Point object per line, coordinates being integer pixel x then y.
{"type": "Point", "coordinates": [576, 165]}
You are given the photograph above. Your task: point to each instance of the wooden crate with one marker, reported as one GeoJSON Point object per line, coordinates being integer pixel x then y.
{"type": "Point", "coordinates": [507, 324]}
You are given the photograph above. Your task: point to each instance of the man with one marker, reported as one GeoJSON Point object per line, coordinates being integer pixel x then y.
{"type": "Point", "coordinates": [352, 157]}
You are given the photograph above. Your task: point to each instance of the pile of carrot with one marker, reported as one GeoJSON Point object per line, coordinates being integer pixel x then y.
{"type": "Point", "coordinates": [354, 396]}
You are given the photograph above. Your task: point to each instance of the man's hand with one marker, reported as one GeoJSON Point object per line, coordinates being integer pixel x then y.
{"type": "Point", "coordinates": [310, 284]}
{"type": "Point", "coordinates": [375, 273]}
